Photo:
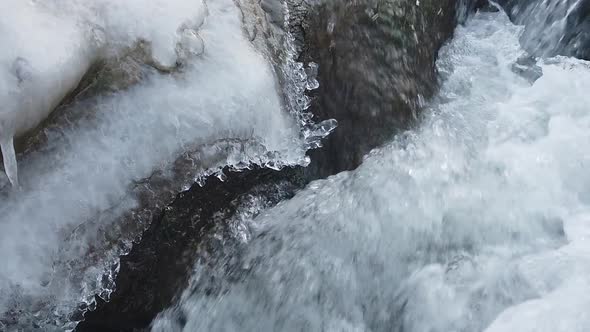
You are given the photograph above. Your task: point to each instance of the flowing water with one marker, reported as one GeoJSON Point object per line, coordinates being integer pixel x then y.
{"type": "Point", "coordinates": [477, 220]}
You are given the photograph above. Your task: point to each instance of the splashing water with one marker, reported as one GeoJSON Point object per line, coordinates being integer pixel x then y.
{"type": "Point", "coordinates": [552, 26]}
{"type": "Point", "coordinates": [477, 220]}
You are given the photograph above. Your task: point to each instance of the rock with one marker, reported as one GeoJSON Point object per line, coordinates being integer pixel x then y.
{"type": "Point", "coordinates": [486, 6]}
{"type": "Point", "coordinates": [158, 267]}
{"type": "Point", "coordinates": [34, 83]}
{"type": "Point", "coordinates": [104, 77]}
{"type": "Point", "coordinates": [376, 64]}
{"type": "Point", "coordinates": [526, 66]}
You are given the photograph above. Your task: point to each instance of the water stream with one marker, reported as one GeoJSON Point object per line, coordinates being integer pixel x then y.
{"type": "Point", "coordinates": [477, 220]}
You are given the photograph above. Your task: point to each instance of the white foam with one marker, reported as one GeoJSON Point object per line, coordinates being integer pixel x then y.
{"type": "Point", "coordinates": [561, 278]}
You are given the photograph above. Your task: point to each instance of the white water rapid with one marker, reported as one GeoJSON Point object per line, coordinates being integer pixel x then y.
{"type": "Point", "coordinates": [477, 220]}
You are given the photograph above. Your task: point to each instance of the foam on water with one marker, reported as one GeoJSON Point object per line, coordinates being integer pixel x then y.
{"type": "Point", "coordinates": [87, 166]}
{"type": "Point", "coordinates": [477, 219]}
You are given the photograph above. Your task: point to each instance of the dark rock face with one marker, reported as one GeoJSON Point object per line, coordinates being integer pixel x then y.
{"type": "Point", "coordinates": [376, 65]}
{"type": "Point", "coordinates": [159, 266]}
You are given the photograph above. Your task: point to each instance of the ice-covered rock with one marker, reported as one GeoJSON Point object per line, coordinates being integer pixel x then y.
{"type": "Point", "coordinates": [48, 46]}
